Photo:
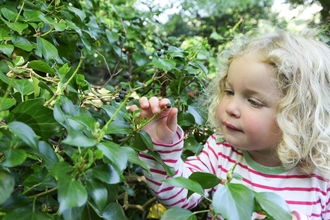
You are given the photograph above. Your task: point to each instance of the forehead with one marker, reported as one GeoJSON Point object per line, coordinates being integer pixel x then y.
{"type": "Point", "coordinates": [250, 72]}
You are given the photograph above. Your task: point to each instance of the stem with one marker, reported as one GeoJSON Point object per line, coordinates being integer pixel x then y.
{"type": "Point", "coordinates": [7, 91]}
{"type": "Point", "coordinates": [44, 193]}
{"type": "Point", "coordinates": [20, 11]}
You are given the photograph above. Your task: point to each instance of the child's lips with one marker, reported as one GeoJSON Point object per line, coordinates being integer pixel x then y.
{"type": "Point", "coordinates": [231, 127]}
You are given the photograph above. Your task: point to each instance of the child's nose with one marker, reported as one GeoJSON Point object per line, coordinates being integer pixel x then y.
{"type": "Point", "coordinates": [232, 108]}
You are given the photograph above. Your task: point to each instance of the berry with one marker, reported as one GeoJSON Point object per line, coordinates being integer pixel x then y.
{"type": "Point", "coordinates": [166, 46]}
{"type": "Point", "coordinates": [124, 89]}
{"type": "Point", "coordinates": [117, 99]}
{"type": "Point", "coordinates": [122, 95]}
{"type": "Point", "coordinates": [126, 75]}
{"type": "Point", "coordinates": [159, 53]}
{"type": "Point", "coordinates": [80, 46]}
{"type": "Point", "coordinates": [168, 105]}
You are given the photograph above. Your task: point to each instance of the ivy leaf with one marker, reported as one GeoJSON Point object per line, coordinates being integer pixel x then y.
{"type": "Point", "coordinates": [119, 127]}
{"type": "Point", "coordinates": [70, 194]}
{"type": "Point", "coordinates": [13, 157]}
{"type": "Point", "coordinates": [274, 205]}
{"type": "Point", "coordinates": [105, 173]}
{"type": "Point", "coordinates": [60, 170]}
{"type": "Point", "coordinates": [47, 49]}
{"type": "Point", "coordinates": [233, 201]}
{"type": "Point", "coordinates": [34, 114]}
{"type": "Point", "coordinates": [98, 192]}
{"type": "Point", "coordinates": [81, 14]}
{"type": "Point", "coordinates": [6, 103]}
{"type": "Point", "coordinates": [169, 170]}
{"type": "Point", "coordinates": [112, 36]}
{"type": "Point", "coordinates": [23, 86]}
{"type": "Point", "coordinates": [133, 158]}
{"type": "Point", "coordinates": [7, 49]}
{"type": "Point", "coordinates": [24, 132]}
{"type": "Point", "coordinates": [199, 65]}
{"type": "Point", "coordinates": [146, 139]}
{"type": "Point", "coordinates": [178, 213]}
{"type": "Point", "coordinates": [9, 14]}
{"type": "Point", "coordinates": [26, 213]}
{"type": "Point", "coordinates": [206, 180]}
{"type": "Point", "coordinates": [164, 64]}
{"type": "Point", "coordinates": [17, 26]}
{"type": "Point", "coordinates": [114, 153]}
{"type": "Point", "coordinates": [22, 43]}
{"type": "Point", "coordinates": [183, 182]}
{"type": "Point", "coordinates": [41, 66]}
{"type": "Point", "coordinates": [77, 138]}
{"type": "Point", "coordinates": [7, 183]}
{"type": "Point", "coordinates": [198, 118]}
{"type": "Point", "coordinates": [114, 211]}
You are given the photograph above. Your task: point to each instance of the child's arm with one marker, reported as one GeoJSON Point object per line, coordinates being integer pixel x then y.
{"type": "Point", "coordinates": [167, 138]}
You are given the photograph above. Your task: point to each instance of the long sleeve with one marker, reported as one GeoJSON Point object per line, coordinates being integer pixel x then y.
{"type": "Point", "coordinates": [171, 155]}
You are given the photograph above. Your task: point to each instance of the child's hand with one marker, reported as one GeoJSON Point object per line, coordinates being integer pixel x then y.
{"type": "Point", "coordinates": [163, 127]}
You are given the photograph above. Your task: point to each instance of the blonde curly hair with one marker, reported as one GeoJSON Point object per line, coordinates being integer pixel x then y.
{"type": "Point", "coordinates": [302, 64]}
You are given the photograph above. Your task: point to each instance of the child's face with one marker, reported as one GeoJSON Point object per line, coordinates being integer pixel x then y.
{"type": "Point", "coordinates": [246, 113]}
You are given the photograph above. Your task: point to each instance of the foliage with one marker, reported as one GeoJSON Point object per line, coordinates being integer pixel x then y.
{"type": "Point", "coordinates": [68, 72]}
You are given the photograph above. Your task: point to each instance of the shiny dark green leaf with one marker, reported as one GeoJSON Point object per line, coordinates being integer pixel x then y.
{"type": "Point", "coordinates": [6, 103]}
{"type": "Point", "coordinates": [24, 86]}
{"type": "Point", "coordinates": [178, 213]}
{"type": "Point", "coordinates": [115, 154]}
{"type": "Point", "coordinates": [71, 194]}
{"type": "Point", "coordinates": [7, 49]}
{"type": "Point", "coordinates": [169, 170]}
{"type": "Point", "coordinates": [24, 132]}
{"type": "Point", "coordinates": [105, 173]}
{"type": "Point", "coordinates": [41, 66]}
{"type": "Point", "coordinates": [133, 158]}
{"type": "Point", "coordinates": [189, 184]}
{"type": "Point", "coordinates": [22, 43]}
{"type": "Point", "coordinates": [114, 211]}
{"type": "Point", "coordinates": [274, 205]}
{"type": "Point", "coordinates": [233, 201]}
{"type": "Point", "coordinates": [47, 49]}
{"type": "Point", "coordinates": [206, 180]}
{"type": "Point", "coordinates": [7, 183]}
{"type": "Point", "coordinates": [98, 192]}
{"type": "Point", "coordinates": [13, 157]}
{"type": "Point", "coordinates": [119, 127]}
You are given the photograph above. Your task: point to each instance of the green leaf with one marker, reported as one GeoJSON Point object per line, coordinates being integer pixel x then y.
{"type": "Point", "coordinates": [98, 192]}
{"type": "Point", "coordinates": [106, 173]}
{"type": "Point", "coordinates": [39, 118]}
{"type": "Point", "coordinates": [7, 49]}
{"type": "Point", "coordinates": [175, 52]}
{"type": "Point", "coordinates": [41, 66]}
{"type": "Point", "coordinates": [81, 14]}
{"type": "Point", "coordinates": [24, 132]}
{"type": "Point", "coordinates": [133, 158]}
{"type": "Point", "coordinates": [70, 194]}
{"type": "Point", "coordinates": [183, 182]}
{"type": "Point", "coordinates": [178, 213]}
{"type": "Point", "coordinates": [169, 170]}
{"type": "Point", "coordinates": [23, 86]}
{"type": "Point", "coordinates": [6, 103]}
{"type": "Point", "coordinates": [77, 138]}
{"type": "Point", "coordinates": [47, 49]}
{"type": "Point", "coordinates": [17, 26]}
{"type": "Point", "coordinates": [114, 211]}
{"type": "Point", "coordinates": [206, 180]}
{"type": "Point", "coordinates": [9, 14]}
{"type": "Point", "coordinates": [146, 139]}
{"type": "Point", "coordinates": [119, 127]}
{"type": "Point", "coordinates": [137, 143]}
{"type": "Point", "coordinates": [198, 118]}
{"type": "Point", "coordinates": [274, 205]}
{"type": "Point", "coordinates": [115, 154]}
{"type": "Point", "coordinates": [7, 184]}
{"type": "Point", "coordinates": [164, 64]}
{"type": "Point", "coordinates": [32, 16]}
{"type": "Point", "coordinates": [46, 152]}
{"type": "Point", "coordinates": [22, 43]}
{"type": "Point", "coordinates": [233, 201]}
{"type": "Point", "coordinates": [13, 157]}
{"type": "Point", "coordinates": [60, 170]}
{"type": "Point", "coordinates": [112, 36]}
{"type": "Point", "coordinates": [26, 213]}
{"type": "Point", "coordinates": [198, 65]}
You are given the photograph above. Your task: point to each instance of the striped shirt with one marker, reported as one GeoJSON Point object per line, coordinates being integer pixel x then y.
{"type": "Point", "coordinates": [307, 195]}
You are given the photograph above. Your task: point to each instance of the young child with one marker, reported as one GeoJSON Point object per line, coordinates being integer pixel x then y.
{"type": "Point", "coordinates": [271, 103]}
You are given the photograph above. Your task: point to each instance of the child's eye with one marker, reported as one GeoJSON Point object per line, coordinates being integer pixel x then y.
{"type": "Point", "coordinates": [255, 103]}
{"type": "Point", "coordinates": [228, 92]}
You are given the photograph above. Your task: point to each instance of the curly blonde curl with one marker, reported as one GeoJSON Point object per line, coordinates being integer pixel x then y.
{"type": "Point", "coordinates": [302, 64]}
